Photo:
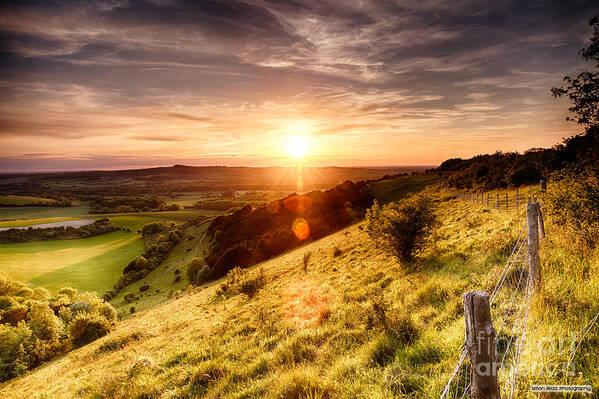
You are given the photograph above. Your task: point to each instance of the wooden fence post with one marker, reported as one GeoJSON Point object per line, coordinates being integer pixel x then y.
{"type": "Point", "coordinates": [497, 201]}
{"type": "Point", "coordinates": [516, 198]}
{"type": "Point", "coordinates": [506, 203]}
{"type": "Point", "coordinates": [534, 260]}
{"type": "Point", "coordinates": [480, 345]}
{"type": "Point", "coordinates": [543, 184]}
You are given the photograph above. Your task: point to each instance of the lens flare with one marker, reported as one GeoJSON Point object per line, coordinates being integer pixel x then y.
{"type": "Point", "coordinates": [301, 228]}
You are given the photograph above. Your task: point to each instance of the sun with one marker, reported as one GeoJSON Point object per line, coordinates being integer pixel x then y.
{"type": "Point", "coordinates": [297, 146]}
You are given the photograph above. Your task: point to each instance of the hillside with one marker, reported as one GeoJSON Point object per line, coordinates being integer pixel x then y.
{"type": "Point", "coordinates": [310, 331]}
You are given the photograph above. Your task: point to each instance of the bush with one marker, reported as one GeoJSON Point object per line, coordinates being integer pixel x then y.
{"type": "Point", "coordinates": [35, 330]}
{"type": "Point", "coordinates": [41, 294]}
{"type": "Point", "coordinates": [15, 343]}
{"type": "Point", "coordinates": [240, 281]}
{"type": "Point", "coordinates": [86, 328]}
{"type": "Point", "coordinates": [153, 228]}
{"type": "Point", "coordinates": [572, 201]}
{"type": "Point", "coordinates": [198, 271]}
{"type": "Point", "coordinates": [43, 323]}
{"type": "Point", "coordinates": [68, 292]}
{"type": "Point", "coordinates": [402, 228]}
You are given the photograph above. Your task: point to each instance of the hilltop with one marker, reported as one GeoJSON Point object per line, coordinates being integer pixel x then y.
{"type": "Point", "coordinates": [310, 331]}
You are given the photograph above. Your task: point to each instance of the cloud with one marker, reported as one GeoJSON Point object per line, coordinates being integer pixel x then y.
{"type": "Point", "coordinates": [212, 77]}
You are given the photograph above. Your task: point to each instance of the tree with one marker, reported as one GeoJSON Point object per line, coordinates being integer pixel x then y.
{"type": "Point", "coordinates": [583, 90]}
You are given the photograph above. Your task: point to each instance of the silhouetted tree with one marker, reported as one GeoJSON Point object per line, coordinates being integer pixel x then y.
{"type": "Point", "coordinates": [583, 90]}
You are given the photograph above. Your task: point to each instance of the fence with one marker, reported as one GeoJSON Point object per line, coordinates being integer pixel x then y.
{"type": "Point", "coordinates": [514, 199]}
{"type": "Point", "coordinates": [496, 324]}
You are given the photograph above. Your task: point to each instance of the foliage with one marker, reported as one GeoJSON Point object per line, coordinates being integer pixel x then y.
{"type": "Point", "coordinates": [98, 227]}
{"type": "Point", "coordinates": [160, 239]}
{"type": "Point", "coordinates": [130, 204]}
{"type": "Point", "coordinates": [251, 235]}
{"type": "Point", "coordinates": [572, 202]}
{"type": "Point", "coordinates": [402, 228]}
{"type": "Point", "coordinates": [241, 281]}
{"type": "Point", "coordinates": [583, 90]}
{"type": "Point", "coordinates": [35, 330]}
{"type": "Point", "coordinates": [86, 328]}
{"type": "Point", "coordinates": [198, 271]}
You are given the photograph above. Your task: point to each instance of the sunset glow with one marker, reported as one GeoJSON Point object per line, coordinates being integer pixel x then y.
{"type": "Point", "coordinates": [95, 85]}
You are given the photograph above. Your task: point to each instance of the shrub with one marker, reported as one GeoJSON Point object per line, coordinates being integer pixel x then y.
{"type": "Point", "coordinates": [198, 271]}
{"type": "Point", "coordinates": [41, 294]}
{"type": "Point", "coordinates": [15, 343]}
{"type": "Point", "coordinates": [68, 292]}
{"type": "Point", "coordinates": [43, 323]}
{"type": "Point", "coordinates": [402, 228]}
{"type": "Point", "coordinates": [241, 281]}
{"type": "Point", "coordinates": [398, 326]}
{"type": "Point", "coordinates": [144, 287]}
{"type": "Point", "coordinates": [337, 252]}
{"type": "Point", "coordinates": [153, 228]}
{"type": "Point", "coordinates": [130, 298]}
{"type": "Point", "coordinates": [251, 285]}
{"type": "Point", "coordinates": [86, 328]}
{"type": "Point", "coordinates": [572, 201]}
{"type": "Point", "coordinates": [306, 260]}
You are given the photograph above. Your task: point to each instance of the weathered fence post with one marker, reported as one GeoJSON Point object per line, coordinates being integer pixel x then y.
{"type": "Point", "coordinates": [506, 203]}
{"type": "Point", "coordinates": [543, 184]}
{"type": "Point", "coordinates": [534, 260]}
{"type": "Point", "coordinates": [517, 198]}
{"type": "Point", "coordinates": [497, 201]}
{"type": "Point", "coordinates": [480, 345]}
{"type": "Point", "coordinates": [487, 200]}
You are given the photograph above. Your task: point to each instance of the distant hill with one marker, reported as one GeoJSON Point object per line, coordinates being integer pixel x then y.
{"type": "Point", "coordinates": [182, 178]}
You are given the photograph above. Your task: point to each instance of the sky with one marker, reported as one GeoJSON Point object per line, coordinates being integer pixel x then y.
{"type": "Point", "coordinates": [119, 84]}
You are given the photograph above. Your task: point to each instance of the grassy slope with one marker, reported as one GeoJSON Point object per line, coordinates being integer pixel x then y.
{"type": "Point", "coordinates": [306, 332]}
{"type": "Point", "coordinates": [163, 277]}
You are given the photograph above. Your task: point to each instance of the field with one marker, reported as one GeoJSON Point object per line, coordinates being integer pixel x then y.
{"type": "Point", "coordinates": [90, 264]}
{"type": "Point", "coordinates": [41, 212]}
{"type": "Point", "coordinates": [17, 200]}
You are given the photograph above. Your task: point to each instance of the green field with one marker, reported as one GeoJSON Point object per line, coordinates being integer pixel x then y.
{"type": "Point", "coordinates": [23, 200]}
{"type": "Point", "coordinates": [41, 212]}
{"type": "Point", "coordinates": [89, 264]}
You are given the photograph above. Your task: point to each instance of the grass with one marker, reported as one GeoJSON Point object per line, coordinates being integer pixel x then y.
{"type": "Point", "coordinates": [23, 200]}
{"type": "Point", "coordinates": [89, 264]}
{"type": "Point", "coordinates": [16, 213]}
{"type": "Point", "coordinates": [310, 332]}
{"type": "Point", "coordinates": [163, 278]}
